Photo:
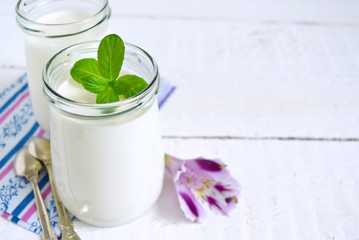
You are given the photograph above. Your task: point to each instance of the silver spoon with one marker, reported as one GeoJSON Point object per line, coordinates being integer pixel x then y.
{"type": "Point", "coordinates": [27, 166]}
{"type": "Point", "coordinates": [40, 148]}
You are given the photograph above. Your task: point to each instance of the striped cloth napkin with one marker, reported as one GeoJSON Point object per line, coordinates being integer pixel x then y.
{"type": "Point", "coordinates": [17, 126]}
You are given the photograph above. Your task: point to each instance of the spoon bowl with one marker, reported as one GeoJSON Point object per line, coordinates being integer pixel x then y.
{"type": "Point", "coordinates": [40, 148]}
{"type": "Point", "coordinates": [27, 166]}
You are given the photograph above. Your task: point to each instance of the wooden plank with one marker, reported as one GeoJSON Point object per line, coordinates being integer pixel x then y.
{"type": "Point", "coordinates": [9, 230]}
{"type": "Point", "coordinates": [8, 76]}
{"type": "Point", "coordinates": [290, 190]}
{"type": "Point", "coordinates": [245, 79]}
{"type": "Point", "coordinates": [254, 80]}
{"type": "Point", "coordinates": [346, 12]}
{"type": "Point", "coordinates": [307, 11]}
{"type": "Point", "coordinates": [12, 50]}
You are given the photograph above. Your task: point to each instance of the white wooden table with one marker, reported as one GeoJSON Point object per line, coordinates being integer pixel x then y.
{"type": "Point", "coordinates": [270, 87]}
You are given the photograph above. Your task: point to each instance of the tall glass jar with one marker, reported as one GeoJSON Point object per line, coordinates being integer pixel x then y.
{"type": "Point", "coordinates": [50, 26]}
{"type": "Point", "coordinates": [108, 159]}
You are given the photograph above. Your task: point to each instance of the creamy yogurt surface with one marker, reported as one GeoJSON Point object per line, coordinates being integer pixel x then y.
{"type": "Point", "coordinates": [106, 173]}
{"type": "Point", "coordinates": [74, 91]}
{"type": "Point", "coordinates": [63, 17]}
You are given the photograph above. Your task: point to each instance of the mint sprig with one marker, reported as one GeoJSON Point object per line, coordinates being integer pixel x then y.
{"type": "Point", "coordinates": [102, 76]}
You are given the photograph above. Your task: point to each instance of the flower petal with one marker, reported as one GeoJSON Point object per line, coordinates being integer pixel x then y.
{"type": "Point", "coordinates": [173, 165]}
{"type": "Point", "coordinates": [209, 165]}
{"type": "Point", "coordinates": [231, 203]}
{"type": "Point", "coordinates": [189, 204]}
{"type": "Point", "coordinates": [220, 187]}
{"type": "Point", "coordinates": [206, 167]}
{"type": "Point", "coordinates": [213, 202]}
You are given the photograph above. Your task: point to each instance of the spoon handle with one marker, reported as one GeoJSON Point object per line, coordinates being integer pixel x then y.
{"type": "Point", "coordinates": [65, 222]}
{"type": "Point", "coordinates": [48, 233]}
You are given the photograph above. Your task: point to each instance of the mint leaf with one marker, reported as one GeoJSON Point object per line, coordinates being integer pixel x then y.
{"type": "Point", "coordinates": [85, 68]}
{"type": "Point", "coordinates": [94, 84]}
{"type": "Point", "coordinates": [110, 54]}
{"type": "Point", "coordinates": [129, 85]}
{"type": "Point", "coordinates": [99, 76]}
{"type": "Point", "coordinates": [107, 96]}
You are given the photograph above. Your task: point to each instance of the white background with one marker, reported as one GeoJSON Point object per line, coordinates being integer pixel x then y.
{"type": "Point", "coordinates": [270, 87]}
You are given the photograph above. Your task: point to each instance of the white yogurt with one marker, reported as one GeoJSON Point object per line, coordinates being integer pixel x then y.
{"type": "Point", "coordinates": [40, 49]}
{"type": "Point", "coordinates": [107, 171]}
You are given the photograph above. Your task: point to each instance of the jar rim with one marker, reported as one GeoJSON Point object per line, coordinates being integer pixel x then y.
{"type": "Point", "coordinates": [28, 24]}
{"type": "Point", "coordinates": [54, 97]}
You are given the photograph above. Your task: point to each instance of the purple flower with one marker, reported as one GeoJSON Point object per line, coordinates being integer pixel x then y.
{"type": "Point", "coordinates": [202, 182]}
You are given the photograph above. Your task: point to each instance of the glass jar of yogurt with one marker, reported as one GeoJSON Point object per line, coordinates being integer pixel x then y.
{"type": "Point", "coordinates": [50, 26]}
{"type": "Point", "coordinates": [108, 160]}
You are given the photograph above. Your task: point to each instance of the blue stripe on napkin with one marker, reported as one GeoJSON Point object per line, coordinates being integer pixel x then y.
{"type": "Point", "coordinates": [8, 92]}
{"type": "Point", "coordinates": [30, 197]}
{"type": "Point", "coordinates": [20, 144]}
